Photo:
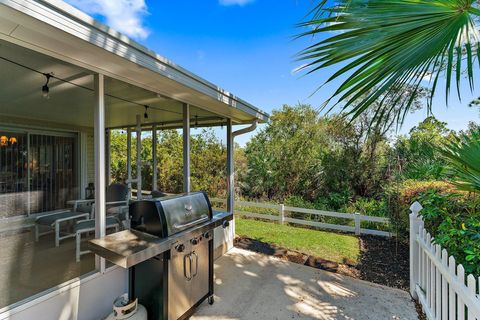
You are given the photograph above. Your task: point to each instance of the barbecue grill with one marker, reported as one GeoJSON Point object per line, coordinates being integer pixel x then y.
{"type": "Point", "coordinates": [169, 253]}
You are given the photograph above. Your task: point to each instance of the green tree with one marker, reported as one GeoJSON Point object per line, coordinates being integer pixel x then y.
{"type": "Point", "coordinates": [284, 158]}
{"type": "Point", "coordinates": [327, 160]}
{"type": "Point", "coordinates": [208, 161]}
{"type": "Point", "coordinates": [417, 155]}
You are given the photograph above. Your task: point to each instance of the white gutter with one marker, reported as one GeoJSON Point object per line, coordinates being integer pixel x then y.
{"type": "Point", "coordinates": [252, 127]}
{"type": "Point", "coordinates": [230, 163]}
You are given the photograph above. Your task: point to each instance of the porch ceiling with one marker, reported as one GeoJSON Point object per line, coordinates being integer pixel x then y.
{"type": "Point", "coordinates": [58, 30]}
{"type": "Point", "coordinates": [72, 103]}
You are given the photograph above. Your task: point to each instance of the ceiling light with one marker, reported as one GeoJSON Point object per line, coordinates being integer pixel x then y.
{"type": "Point", "coordinates": [145, 115]}
{"type": "Point", "coordinates": [45, 88]}
{"type": "Point", "coordinates": [3, 141]}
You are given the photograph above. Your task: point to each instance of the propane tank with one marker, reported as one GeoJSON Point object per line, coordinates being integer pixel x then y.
{"type": "Point", "coordinates": [123, 308]}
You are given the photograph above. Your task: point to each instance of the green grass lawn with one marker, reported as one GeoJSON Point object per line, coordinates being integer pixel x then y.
{"type": "Point", "coordinates": [327, 245]}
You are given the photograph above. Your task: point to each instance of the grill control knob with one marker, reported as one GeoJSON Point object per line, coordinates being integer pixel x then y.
{"type": "Point", "coordinates": [206, 235]}
{"type": "Point", "coordinates": [225, 224]}
{"type": "Point", "coordinates": [180, 247]}
{"type": "Point", "coordinates": [194, 241]}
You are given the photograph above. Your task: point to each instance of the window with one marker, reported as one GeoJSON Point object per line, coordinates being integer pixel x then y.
{"type": "Point", "coordinates": [39, 174]}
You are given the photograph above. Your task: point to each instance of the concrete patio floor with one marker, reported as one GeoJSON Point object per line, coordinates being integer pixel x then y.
{"type": "Point", "coordinates": [253, 286]}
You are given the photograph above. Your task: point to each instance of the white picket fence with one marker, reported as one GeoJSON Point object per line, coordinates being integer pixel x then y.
{"type": "Point", "coordinates": [281, 209]}
{"type": "Point", "coordinates": [436, 280]}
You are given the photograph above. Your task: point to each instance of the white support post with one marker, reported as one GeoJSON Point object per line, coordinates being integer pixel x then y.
{"type": "Point", "coordinates": [129, 161]}
{"type": "Point", "coordinates": [229, 232]}
{"type": "Point", "coordinates": [154, 158]}
{"type": "Point", "coordinates": [186, 147]}
{"type": "Point", "coordinates": [415, 221]}
{"type": "Point", "coordinates": [358, 223]}
{"type": "Point", "coordinates": [138, 129]}
{"type": "Point", "coordinates": [108, 156]}
{"type": "Point", "coordinates": [230, 169]}
{"type": "Point", "coordinates": [281, 213]}
{"type": "Point", "coordinates": [100, 183]}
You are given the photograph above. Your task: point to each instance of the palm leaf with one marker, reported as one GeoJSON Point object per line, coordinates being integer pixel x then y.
{"type": "Point", "coordinates": [462, 155]}
{"type": "Point", "coordinates": [379, 45]}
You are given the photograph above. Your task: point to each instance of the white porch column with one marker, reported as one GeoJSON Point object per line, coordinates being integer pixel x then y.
{"type": "Point", "coordinates": [139, 157]}
{"type": "Point", "coordinates": [99, 145]}
{"type": "Point", "coordinates": [223, 237]}
{"type": "Point", "coordinates": [154, 158]}
{"type": "Point", "coordinates": [108, 132]}
{"type": "Point", "coordinates": [230, 168]}
{"type": "Point", "coordinates": [129, 162]}
{"type": "Point", "coordinates": [186, 148]}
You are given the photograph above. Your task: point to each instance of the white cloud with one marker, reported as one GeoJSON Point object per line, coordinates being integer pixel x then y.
{"type": "Point", "coordinates": [234, 2]}
{"type": "Point", "coordinates": [125, 16]}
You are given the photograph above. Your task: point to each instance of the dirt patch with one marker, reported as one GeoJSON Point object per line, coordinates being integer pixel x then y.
{"type": "Point", "coordinates": [383, 261]}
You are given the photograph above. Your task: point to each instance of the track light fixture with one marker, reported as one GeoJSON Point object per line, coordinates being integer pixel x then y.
{"type": "Point", "coordinates": [145, 115]}
{"type": "Point", "coordinates": [45, 88]}
{"type": "Point", "coordinates": [48, 76]}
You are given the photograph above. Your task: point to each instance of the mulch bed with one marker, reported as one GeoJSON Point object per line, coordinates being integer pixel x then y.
{"type": "Point", "coordinates": [382, 260]}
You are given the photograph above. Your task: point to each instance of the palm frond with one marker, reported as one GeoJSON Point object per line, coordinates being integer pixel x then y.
{"type": "Point", "coordinates": [462, 155]}
{"type": "Point", "coordinates": [379, 45]}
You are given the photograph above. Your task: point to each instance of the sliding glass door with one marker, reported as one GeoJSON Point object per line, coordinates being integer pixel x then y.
{"type": "Point", "coordinates": [52, 171]}
{"type": "Point", "coordinates": [38, 171]}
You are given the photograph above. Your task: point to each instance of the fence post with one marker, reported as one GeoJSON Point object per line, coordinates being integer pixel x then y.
{"type": "Point", "coordinates": [357, 223]}
{"type": "Point", "coordinates": [281, 213]}
{"type": "Point", "coordinates": [415, 221]}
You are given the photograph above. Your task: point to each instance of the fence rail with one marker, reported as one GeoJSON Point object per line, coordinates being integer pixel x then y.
{"type": "Point", "coordinates": [436, 280]}
{"type": "Point", "coordinates": [281, 209]}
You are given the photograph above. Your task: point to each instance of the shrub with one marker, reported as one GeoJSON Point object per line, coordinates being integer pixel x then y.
{"type": "Point", "coordinates": [454, 223]}
{"type": "Point", "coordinates": [368, 206]}
{"type": "Point", "coordinates": [400, 196]}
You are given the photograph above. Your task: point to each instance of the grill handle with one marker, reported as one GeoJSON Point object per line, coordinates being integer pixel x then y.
{"type": "Point", "coordinates": [185, 225]}
{"type": "Point", "coordinates": [196, 263]}
{"type": "Point", "coordinates": [186, 258]}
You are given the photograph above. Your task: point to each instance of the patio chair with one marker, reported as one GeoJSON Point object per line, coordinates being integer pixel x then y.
{"type": "Point", "coordinates": [117, 200]}
{"type": "Point", "coordinates": [117, 205]}
{"type": "Point", "coordinates": [54, 220]}
{"type": "Point", "coordinates": [87, 226]}
{"type": "Point", "coordinates": [116, 196]}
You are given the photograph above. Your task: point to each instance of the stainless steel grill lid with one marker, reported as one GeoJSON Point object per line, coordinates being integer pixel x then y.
{"type": "Point", "coordinates": [186, 210]}
{"type": "Point", "coordinates": [168, 215]}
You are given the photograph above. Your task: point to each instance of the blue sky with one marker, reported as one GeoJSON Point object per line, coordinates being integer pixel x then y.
{"type": "Point", "coordinates": [244, 46]}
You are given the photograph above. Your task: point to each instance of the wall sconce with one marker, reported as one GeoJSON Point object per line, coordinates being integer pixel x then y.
{"type": "Point", "coordinates": [4, 140]}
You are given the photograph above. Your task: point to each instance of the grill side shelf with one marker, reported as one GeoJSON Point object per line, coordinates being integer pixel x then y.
{"type": "Point", "coordinates": [130, 247]}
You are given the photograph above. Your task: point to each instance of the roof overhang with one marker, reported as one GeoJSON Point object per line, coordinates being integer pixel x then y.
{"type": "Point", "coordinates": [59, 30]}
